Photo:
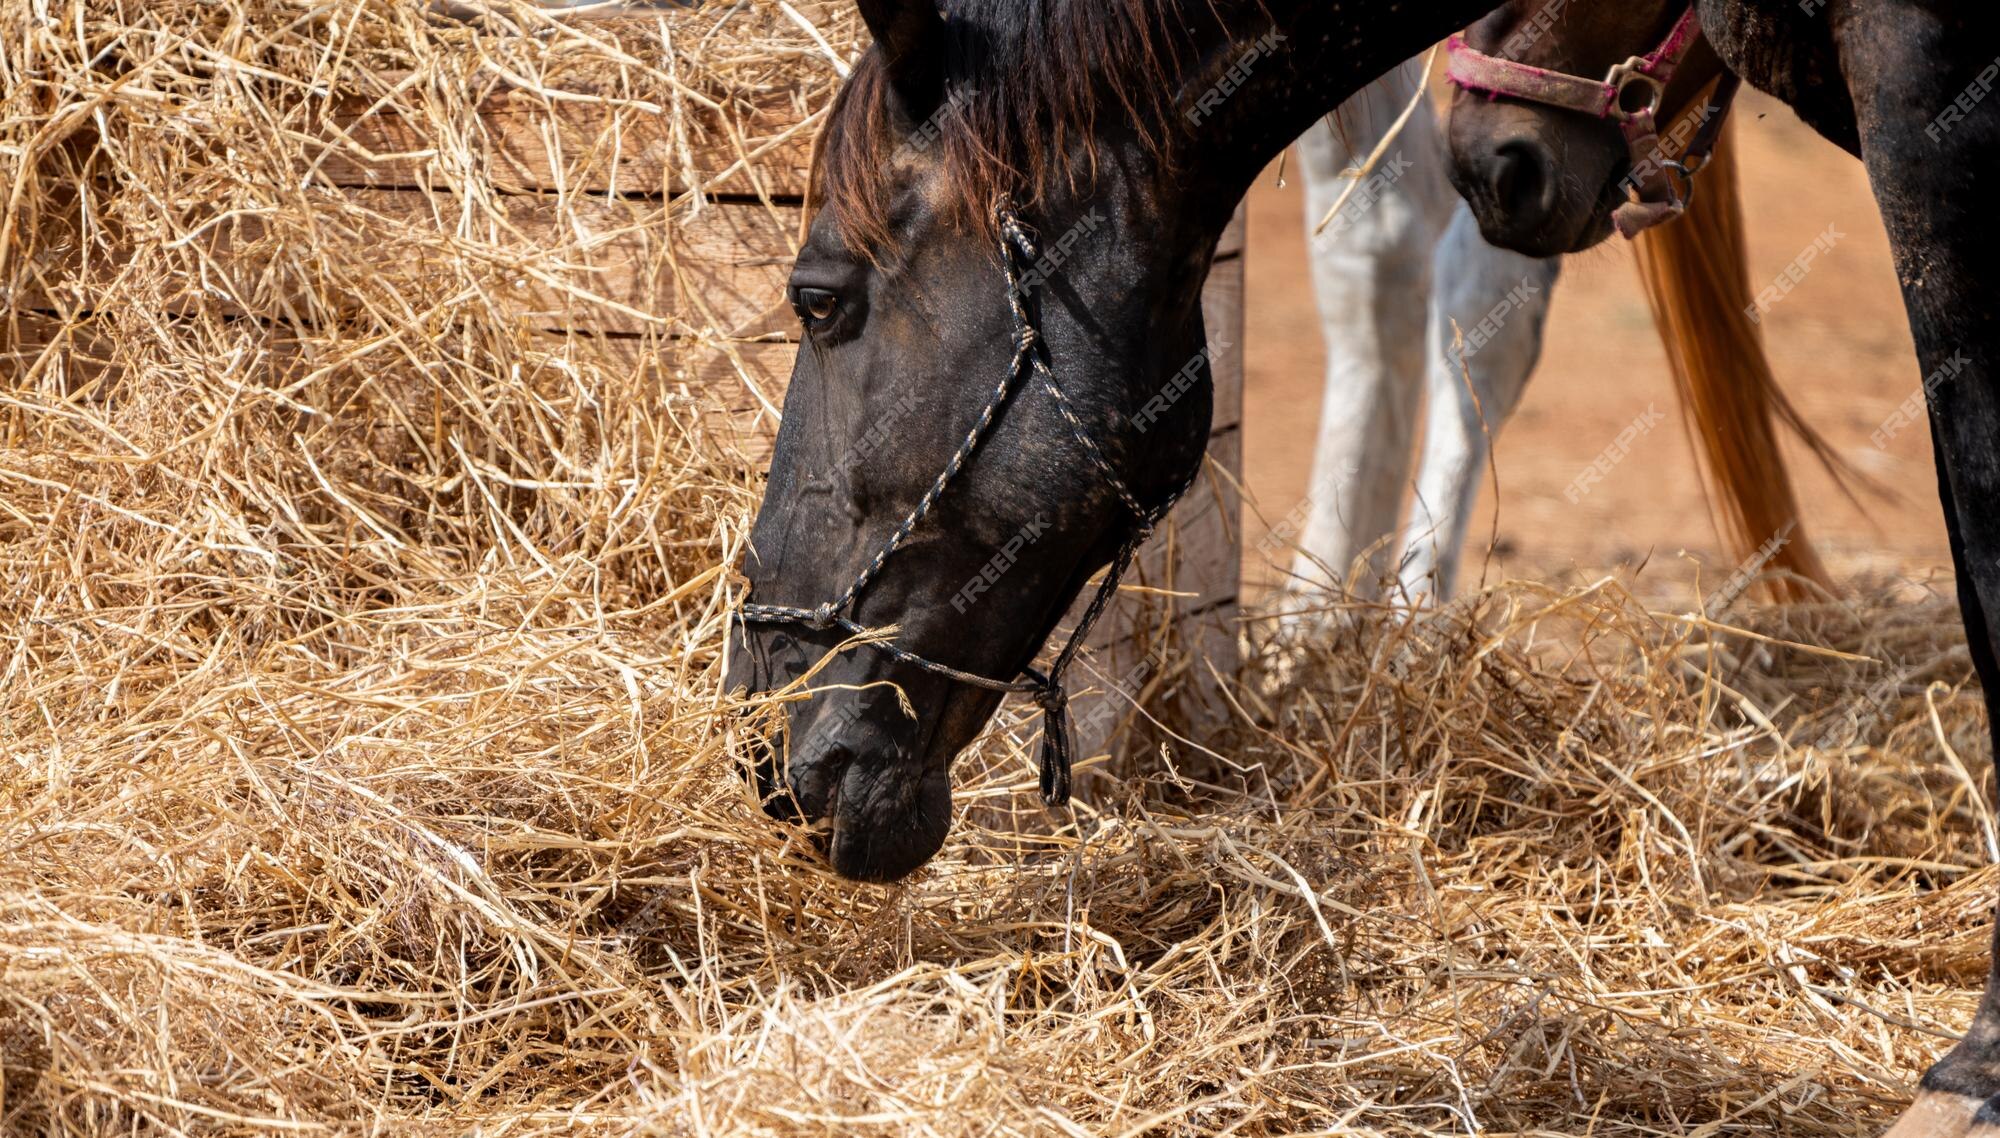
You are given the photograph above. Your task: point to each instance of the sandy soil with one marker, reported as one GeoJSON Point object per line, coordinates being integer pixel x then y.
{"type": "Point", "coordinates": [1840, 345]}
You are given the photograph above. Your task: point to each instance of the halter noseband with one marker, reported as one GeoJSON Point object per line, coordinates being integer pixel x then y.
{"type": "Point", "coordinates": [1018, 252]}
{"type": "Point", "coordinates": [1659, 197]}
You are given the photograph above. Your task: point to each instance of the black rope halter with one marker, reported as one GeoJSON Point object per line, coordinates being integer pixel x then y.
{"type": "Point", "coordinates": [1018, 251]}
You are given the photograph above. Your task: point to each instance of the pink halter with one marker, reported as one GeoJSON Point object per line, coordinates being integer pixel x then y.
{"type": "Point", "coordinates": [1629, 95]}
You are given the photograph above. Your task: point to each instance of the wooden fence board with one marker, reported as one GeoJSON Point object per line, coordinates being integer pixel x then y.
{"type": "Point", "coordinates": [521, 143]}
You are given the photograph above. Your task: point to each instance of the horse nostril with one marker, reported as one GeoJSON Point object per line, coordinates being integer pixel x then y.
{"type": "Point", "coordinates": [1521, 183]}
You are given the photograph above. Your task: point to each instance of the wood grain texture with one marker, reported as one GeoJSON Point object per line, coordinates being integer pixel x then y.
{"type": "Point", "coordinates": [523, 143]}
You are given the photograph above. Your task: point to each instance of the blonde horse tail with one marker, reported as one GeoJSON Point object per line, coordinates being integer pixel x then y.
{"type": "Point", "coordinates": [1697, 279]}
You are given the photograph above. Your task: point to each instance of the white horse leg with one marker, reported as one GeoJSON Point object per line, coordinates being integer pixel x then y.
{"type": "Point", "coordinates": [1371, 273]}
{"type": "Point", "coordinates": [1499, 301]}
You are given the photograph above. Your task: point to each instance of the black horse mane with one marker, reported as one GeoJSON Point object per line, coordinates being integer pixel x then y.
{"type": "Point", "coordinates": [1025, 82]}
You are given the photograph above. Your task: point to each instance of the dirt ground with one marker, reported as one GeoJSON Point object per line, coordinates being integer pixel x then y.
{"type": "Point", "coordinates": [1839, 343]}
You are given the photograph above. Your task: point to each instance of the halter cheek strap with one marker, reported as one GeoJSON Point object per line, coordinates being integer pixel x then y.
{"type": "Point", "coordinates": [1630, 95]}
{"type": "Point", "coordinates": [1018, 252]}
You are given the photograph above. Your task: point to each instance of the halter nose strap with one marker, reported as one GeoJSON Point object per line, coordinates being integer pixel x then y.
{"type": "Point", "coordinates": [1017, 251]}
{"type": "Point", "coordinates": [1659, 198]}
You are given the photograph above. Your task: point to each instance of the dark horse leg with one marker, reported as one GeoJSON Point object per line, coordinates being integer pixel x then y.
{"type": "Point", "coordinates": [1922, 76]}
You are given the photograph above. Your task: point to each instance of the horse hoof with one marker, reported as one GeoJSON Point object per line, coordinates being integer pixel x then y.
{"type": "Point", "coordinates": [1937, 1114]}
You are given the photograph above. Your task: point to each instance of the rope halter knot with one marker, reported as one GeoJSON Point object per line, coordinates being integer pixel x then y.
{"type": "Point", "coordinates": [1057, 747]}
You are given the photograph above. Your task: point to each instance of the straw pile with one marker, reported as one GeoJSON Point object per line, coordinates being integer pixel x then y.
{"type": "Point", "coordinates": [363, 767]}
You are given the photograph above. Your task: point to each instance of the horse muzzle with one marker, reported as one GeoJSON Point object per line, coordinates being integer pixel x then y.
{"type": "Point", "coordinates": [850, 761]}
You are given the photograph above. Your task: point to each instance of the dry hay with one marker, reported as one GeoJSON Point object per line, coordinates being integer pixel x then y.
{"type": "Point", "coordinates": [364, 763]}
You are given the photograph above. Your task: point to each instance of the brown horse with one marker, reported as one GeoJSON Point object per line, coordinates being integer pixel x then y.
{"type": "Point", "coordinates": [1902, 84]}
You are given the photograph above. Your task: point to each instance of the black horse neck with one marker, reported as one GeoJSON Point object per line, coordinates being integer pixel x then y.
{"type": "Point", "coordinates": [1267, 70]}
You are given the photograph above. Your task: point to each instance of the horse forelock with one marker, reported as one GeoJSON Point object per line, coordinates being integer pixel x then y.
{"type": "Point", "coordinates": [1026, 83]}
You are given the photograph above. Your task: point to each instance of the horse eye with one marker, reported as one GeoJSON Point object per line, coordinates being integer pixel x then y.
{"type": "Point", "coordinates": [814, 305]}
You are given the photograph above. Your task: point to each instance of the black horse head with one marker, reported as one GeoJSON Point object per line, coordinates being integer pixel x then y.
{"type": "Point", "coordinates": [1118, 136]}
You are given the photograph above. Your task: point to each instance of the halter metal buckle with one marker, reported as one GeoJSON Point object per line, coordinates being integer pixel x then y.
{"type": "Point", "coordinates": [1683, 193]}
{"type": "Point", "coordinates": [1627, 75]}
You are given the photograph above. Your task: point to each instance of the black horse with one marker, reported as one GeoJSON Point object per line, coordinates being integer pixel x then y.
{"type": "Point", "coordinates": [1907, 86]}
{"type": "Point", "coordinates": [1019, 201]}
